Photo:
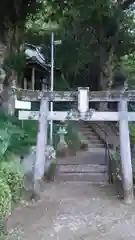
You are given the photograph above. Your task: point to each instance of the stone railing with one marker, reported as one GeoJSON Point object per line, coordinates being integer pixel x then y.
{"type": "Point", "coordinates": [104, 132]}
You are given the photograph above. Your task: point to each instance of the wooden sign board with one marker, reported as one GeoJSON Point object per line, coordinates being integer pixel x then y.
{"type": "Point", "coordinates": [22, 105]}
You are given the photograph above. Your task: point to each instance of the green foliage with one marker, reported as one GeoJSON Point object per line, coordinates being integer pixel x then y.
{"type": "Point", "coordinates": [14, 179]}
{"type": "Point", "coordinates": [116, 166]}
{"type": "Point", "coordinates": [30, 128]}
{"type": "Point", "coordinates": [72, 138]}
{"type": "Point", "coordinates": [41, 21]}
{"type": "Point", "coordinates": [5, 199]}
{"type": "Point", "coordinates": [132, 132]}
{"type": "Point", "coordinates": [3, 237]}
{"type": "Point", "coordinates": [116, 157]}
{"type": "Point", "coordinates": [8, 132]}
{"type": "Point", "coordinates": [14, 138]}
{"type": "Point", "coordinates": [17, 12]}
{"type": "Point", "coordinates": [91, 30]}
{"type": "Point", "coordinates": [89, 24]}
{"type": "Point", "coordinates": [3, 229]}
{"type": "Point", "coordinates": [16, 62]}
{"type": "Point", "coordinates": [128, 65]}
{"type": "Point", "coordinates": [39, 26]}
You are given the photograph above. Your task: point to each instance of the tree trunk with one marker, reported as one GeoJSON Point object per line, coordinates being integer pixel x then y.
{"type": "Point", "coordinates": [8, 97]}
{"type": "Point", "coordinates": [12, 47]}
{"type": "Point", "coordinates": [106, 78]}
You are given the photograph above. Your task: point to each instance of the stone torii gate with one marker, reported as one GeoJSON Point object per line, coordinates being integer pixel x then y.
{"type": "Point", "coordinates": [83, 96]}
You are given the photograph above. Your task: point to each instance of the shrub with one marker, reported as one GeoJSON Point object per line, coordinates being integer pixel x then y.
{"type": "Point", "coordinates": [116, 166]}
{"type": "Point", "coordinates": [5, 199]}
{"type": "Point", "coordinates": [14, 178]}
{"type": "Point", "coordinates": [49, 175]}
{"type": "Point", "coordinates": [3, 229]}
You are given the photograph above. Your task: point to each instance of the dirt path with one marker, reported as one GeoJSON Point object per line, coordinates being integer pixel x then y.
{"type": "Point", "coordinates": [74, 211]}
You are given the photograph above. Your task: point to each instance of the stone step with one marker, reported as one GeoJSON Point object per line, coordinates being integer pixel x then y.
{"type": "Point", "coordinates": [94, 145]}
{"type": "Point", "coordinates": [94, 140]}
{"type": "Point", "coordinates": [92, 156]}
{"type": "Point", "coordinates": [90, 135]}
{"type": "Point", "coordinates": [81, 177]}
{"type": "Point", "coordinates": [86, 127]}
{"type": "Point", "coordinates": [85, 168]}
{"type": "Point", "coordinates": [86, 131]}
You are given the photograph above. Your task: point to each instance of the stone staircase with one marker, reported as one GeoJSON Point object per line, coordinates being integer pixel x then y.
{"type": "Point", "coordinates": [107, 131]}
{"type": "Point", "coordinates": [88, 165]}
{"type": "Point", "coordinates": [85, 166]}
{"type": "Point", "coordinates": [91, 137]}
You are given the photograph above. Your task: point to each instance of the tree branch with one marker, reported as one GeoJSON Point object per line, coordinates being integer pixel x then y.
{"type": "Point", "coordinates": [126, 4]}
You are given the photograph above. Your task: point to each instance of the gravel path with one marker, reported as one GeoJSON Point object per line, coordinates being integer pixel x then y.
{"type": "Point", "coordinates": [74, 211]}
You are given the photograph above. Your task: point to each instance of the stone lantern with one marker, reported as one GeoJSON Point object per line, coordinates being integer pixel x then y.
{"type": "Point", "coordinates": [62, 145]}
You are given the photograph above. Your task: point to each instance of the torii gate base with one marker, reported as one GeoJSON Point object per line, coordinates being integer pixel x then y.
{"type": "Point", "coordinates": [122, 116]}
{"type": "Point", "coordinates": [125, 152]}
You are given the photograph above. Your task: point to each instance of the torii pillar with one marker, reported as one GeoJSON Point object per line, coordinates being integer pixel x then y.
{"type": "Point", "coordinates": [125, 152]}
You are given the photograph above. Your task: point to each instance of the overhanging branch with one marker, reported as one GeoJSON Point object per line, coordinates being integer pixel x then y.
{"type": "Point", "coordinates": [126, 4]}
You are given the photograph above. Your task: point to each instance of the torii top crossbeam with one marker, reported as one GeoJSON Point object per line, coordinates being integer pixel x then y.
{"type": "Point", "coordinates": [69, 96]}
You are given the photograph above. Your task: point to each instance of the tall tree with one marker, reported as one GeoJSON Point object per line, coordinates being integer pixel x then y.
{"type": "Point", "coordinates": [98, 32]}
{"type": "Point", "coordinates": [13, 18]}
